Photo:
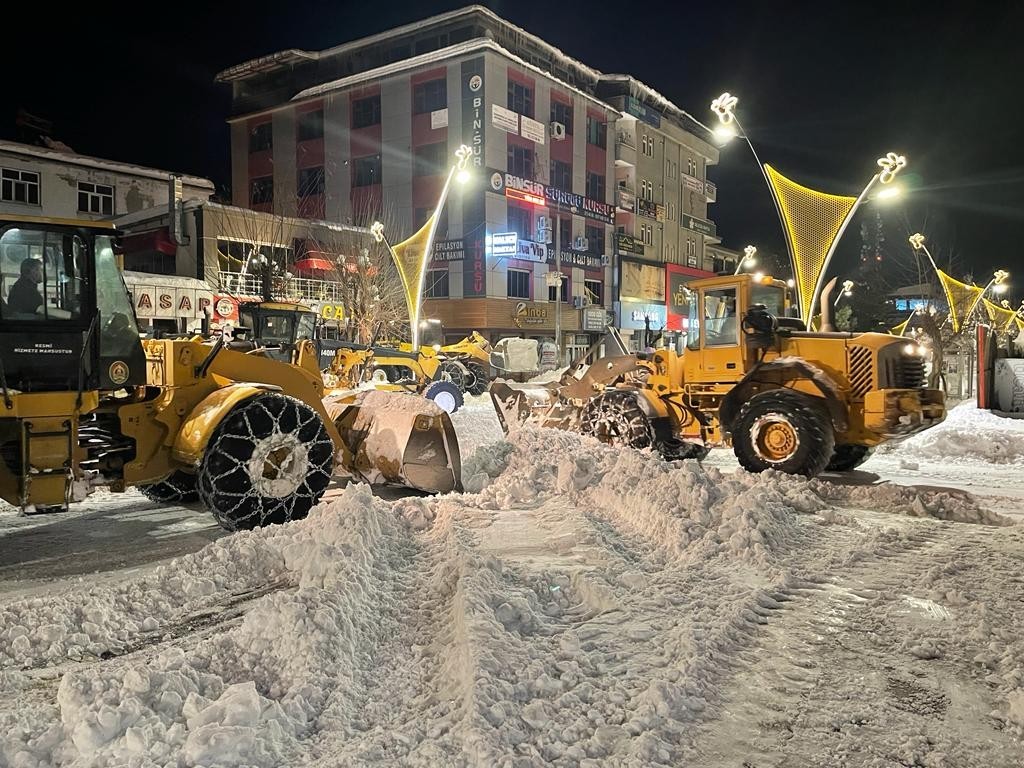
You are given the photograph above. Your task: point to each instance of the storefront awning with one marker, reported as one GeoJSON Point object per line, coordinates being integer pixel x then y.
{"type": "Point", "coordinates": [314, 264]}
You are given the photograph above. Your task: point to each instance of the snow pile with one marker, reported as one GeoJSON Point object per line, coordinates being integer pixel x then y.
{"type": "Point", "coordinates": [397, 402]}
{"type": "Point", "coordinates": [954, 506]}
{"type": "Point", "coordinates": [684, 509]}
{"type": "Point", "coordinates": [967, 435]}
{"type": "Point", "coordinates": [240, 697]}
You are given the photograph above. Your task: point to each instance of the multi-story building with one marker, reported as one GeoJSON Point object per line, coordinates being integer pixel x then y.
{"type": "Point", "coordinates": [48, 182]}
{"type": "Point", "coordinates": [368, 129]}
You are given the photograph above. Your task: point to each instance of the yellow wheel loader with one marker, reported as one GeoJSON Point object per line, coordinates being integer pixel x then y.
{"type": "Point", "coordinates": [85, 402]}
{"type": "Point", "coordinates": [786, 399]}
{"type": "Point", "coordinates": [472, 353]}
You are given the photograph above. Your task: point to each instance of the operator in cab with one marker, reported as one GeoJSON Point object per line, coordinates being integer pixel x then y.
{"type": "Point", "coordinates": [25, 297]}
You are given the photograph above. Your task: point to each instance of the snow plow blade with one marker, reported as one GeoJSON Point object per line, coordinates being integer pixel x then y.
{"type": "Point", "coordinates": [532, 405]}
{"type": "Point", "coordinates": [398, 439]}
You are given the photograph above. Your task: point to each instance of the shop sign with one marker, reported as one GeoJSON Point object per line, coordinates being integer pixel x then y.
{"type": "Point", "coordinates": [647, 208]}
{"type": "Point", "coordinates": [595, 319]}
{"type": "Point", "coordinates": [449, 250]}
{"type": "Point", "coordinates": [703, 226]}
{"type": "Point", "coordinates": [628, 244]}
{"type": "Point", "coordinates": [155, 301]}
{"type": "Point", "coordinates": [644, 282]}
{"type": "Point", "coordinates": [330, 311]}
{"type": "Point", "coordinates": [504, 243]}
{"type": "Point", "coordinates": [648, 115]}
{"type": "Point", "coordinates": [535, 193]}
{"type": "Point", "coordinates": [529, 314]}
{"type": "Point", "coordinates": [627, 200]}
{"type": "Point", "coordinates": [473, 107]}
{"type": "Point", "coordinates": [527, 250]}
{"type": "Point", "coordinates": [577, 259]}
{"type": "Point", "coordinates": [531, 129]}
{"type": "Point", "coordinates": [439, 119]}
{"type": "Point", "coordinates": [505, 119]}
{"type": "Point", "coordinates": [692, 182]}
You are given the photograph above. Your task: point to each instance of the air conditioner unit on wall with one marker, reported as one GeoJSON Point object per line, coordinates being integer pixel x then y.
{"type": "Point", "coordinates": [580, 243]}
{"type": "Point", "coordinates": [557, 131]}
{"type": "Point", "coordinates": [605, 260]}
{"type": "Point", "coordinates": [581, 302]}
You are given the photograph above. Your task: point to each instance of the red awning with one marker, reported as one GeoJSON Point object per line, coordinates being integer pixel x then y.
{"type": "Point", "coordinates": [313, 264]}
{"type": "Point", "coordinates": [154, 240]}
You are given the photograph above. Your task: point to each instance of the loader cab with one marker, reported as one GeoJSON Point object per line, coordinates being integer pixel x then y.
{"type": "Point", "coordinates": [278, 326]}
{"type": "Point", "coordinates": [66, 318]}
{"type": "Point", "coordinates": [432, 334]}
{"type": "Point", "coordinates": [714, 343]}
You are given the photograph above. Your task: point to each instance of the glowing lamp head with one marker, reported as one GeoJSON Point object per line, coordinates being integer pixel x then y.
{"type": "Point", "coordinates": [791, 283]}
{"type": "Point", "coordinates": [462, 176]}
{"type": "Point", "coordinates": [1000, 287]}
{"type": "Point", "coordinates": [724, 133]}
{"type": "Point", "coordinates": [758, 277]}
{"type": "Point", "coordinates": [889, 193]}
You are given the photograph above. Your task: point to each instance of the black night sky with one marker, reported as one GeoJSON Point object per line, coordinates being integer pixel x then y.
{"type": "Point", "coordinates": [825, 89]}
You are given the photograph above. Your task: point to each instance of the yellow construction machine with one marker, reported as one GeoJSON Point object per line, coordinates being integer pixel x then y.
{"type": "Point", "coordinates": [787, 399]}
{"type": "Point", "coordinates": [86, 402]}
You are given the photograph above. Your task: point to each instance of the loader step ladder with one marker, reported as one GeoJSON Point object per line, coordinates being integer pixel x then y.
{"type": "Point", "coordinates": [48, 454]}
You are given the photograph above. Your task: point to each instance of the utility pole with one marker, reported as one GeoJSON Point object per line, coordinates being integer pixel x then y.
{"type": "Point", "coordinates": [558, 290]}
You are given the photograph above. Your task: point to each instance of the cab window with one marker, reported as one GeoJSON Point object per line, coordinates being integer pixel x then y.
{"type": "Point", "coordinates": [41, 275]}
{"type": "Point", "coordinates": [721, 326]}
{"type": "Point", "coordinates": [772, 296]}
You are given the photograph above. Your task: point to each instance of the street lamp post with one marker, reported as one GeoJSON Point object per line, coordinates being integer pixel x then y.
{"type": "Point", "coordinates": [847, 291]}
{"type": "Point", "coordinates": [749, 259]}
{"type": "Point", "coordinates": [413, 254]}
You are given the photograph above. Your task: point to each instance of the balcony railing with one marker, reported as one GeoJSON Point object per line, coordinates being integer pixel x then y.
{"type": "Point", "coordinates": [710, 192]}
{"type": "Point", "coordinates": [293, 288]}
{"type": "Point", "coordinates": [625, 149]}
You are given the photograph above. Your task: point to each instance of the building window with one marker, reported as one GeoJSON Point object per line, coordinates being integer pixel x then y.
{"type": "Point", "coordinates": [691, 252]}
{"type": "Point", "coordinates": [366, 112]}
{"type": "Point", "coordinates": [435, 284]}
{"type": "Point", "coordinates": [366, 171]}
{"type": "Point", "coordinates": [595, 186]}
{"type": "Point", "coordinates": [597, 132]}
{"type": "Point", "coordinates": [430, 159]}
{"type": "Point", "coordinates": [429, 96]}
{"type": "Point", "coordinates": [647, 234]}
{"type": "Point", "coordinates": [261, 137]}
{"type": "Point", "coordinates": [19, 186]}
{"type": "Point", "coordinates": [562, 113]}
{"type": "Point", "coordinates": [311, 125]}
{"type": "Point", "coordinates": [518, 284]}
{"type": "Point", "coordinates": [520, 98]}
{"type": "Point", "coordinates": [520, 221]}
{"type": "Point", "coordinates": [565, 291]}
{"type": "Point", "coordinates": [691, 166]}
{"type": "Point", "coordinates": [646, 189]}
{"type": "Point", "coordinates": [261, 190]}
{"type": "Point", "coordinates": [594, 290]}
{"type": "Point", "coordinates": [565, 231]}
{"type": "Point", "coordinates": [520, 161]}
{"type": "Point", "coordinates": [595, 239]}
{"type": "Point", "coordinates": [561, 175]}
{"type": "Point", "coordinates": [95, 198]}
{"type": "Point", "coordinates": [671, 211]}
{"type": "Point", "coordinates": [310, 181]}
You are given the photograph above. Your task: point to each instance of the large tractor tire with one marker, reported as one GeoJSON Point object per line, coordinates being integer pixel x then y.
{"type": "Point", "coordinates": [783, 430]}
{"type": "Point", "coordinates": [269, 461]}
{"type": "Point", "coordinates": [454, 372]}
{"type": "Point", "coordinates": [615, 418]}
{"type": "Point", "coordinates": [179, 488]}
{"type": "Point", "coordinates": [480, 380]}
{"type": "Point", "coordinates": [847, 457]}
{"type": "Point", "coordinates": [446, 395]}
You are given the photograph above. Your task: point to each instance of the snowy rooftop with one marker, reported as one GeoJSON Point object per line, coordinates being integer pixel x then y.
{"type": "Point", "coordinates": [72, 158]}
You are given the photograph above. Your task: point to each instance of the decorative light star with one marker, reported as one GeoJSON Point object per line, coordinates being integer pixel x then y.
{"type": "Point", "coordinates": [749, 251]}
{"type": "Point", "coordinates": [999, 276]}
{"type": "Point", "coordinates": [847, 286]}
{"type": "Point", "coordinates": [891, 164]}
{"type": "Point", "coordinates": [377, 230]}
{"type": "Point", "coordinates": [724, 106]}
{"type": "Point", "coordinates": [916, 241]}
{"type": "Point", "coordinates": [463, 153]}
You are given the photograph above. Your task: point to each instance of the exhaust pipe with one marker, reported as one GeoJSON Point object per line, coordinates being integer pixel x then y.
{"type": "Point", "coordinates": [826, 305]}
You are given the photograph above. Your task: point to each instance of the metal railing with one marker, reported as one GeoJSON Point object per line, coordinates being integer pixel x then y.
{"type": "Point", "coordinates": [299, 288]}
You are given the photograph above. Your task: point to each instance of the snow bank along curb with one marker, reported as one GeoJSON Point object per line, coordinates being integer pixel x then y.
{"type": "Point", "coordinates": [968, 435]}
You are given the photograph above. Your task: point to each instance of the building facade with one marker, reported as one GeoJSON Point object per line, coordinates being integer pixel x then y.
{"type": "Point", "coordinates": [46, 182]}
{"type": "Point", "coordinates": [596, 172]}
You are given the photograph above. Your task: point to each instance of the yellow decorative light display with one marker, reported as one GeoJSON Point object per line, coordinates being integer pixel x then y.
{"type": "Point", "coordinates": [1001, 318]}
{"type": "Point", "coordinates": [812, 221]}
{"type": "Point", "coordinates": [900, 329]}
{"type": "Point", "coordinates": [961, 297]}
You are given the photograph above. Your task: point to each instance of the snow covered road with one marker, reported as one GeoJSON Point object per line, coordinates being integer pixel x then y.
{"type": "Point", "coordinates": [583, 607]}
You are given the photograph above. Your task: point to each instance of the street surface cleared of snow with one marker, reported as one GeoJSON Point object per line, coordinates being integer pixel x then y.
{"type": "Point", "coordinates": [578, 606]}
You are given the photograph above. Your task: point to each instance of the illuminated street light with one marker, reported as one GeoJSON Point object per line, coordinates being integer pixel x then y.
{"type": "Point", "coordinates": [412, 255]}
{"type": "Point", "coordinates": [847, 292]}
{"type": "Point", "coordinates": [749, 259]}
{"type": "Point", "coordinates": [889, 193]}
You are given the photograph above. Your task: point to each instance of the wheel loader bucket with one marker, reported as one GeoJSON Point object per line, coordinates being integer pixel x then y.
{"type": "Point", "coordinates": [532, 405]}
{"type": "Point", "coordinates": [398, 439]}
